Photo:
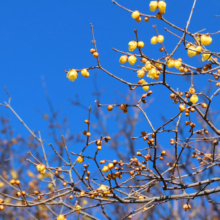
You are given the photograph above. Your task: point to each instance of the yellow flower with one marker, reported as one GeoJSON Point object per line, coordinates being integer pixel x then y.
{"type": "Point", "coordinates": [140, 44]}
{"type": "Point", "coordinates": [78, 208]}
{"type": "Point", "coordinates": [123, 59]}
{"type": "Point", "coordinates": [191, 90]}
{"type": "Point", "coordinates": [61, 217]}
{"type": "Point", "coordinates": [141, 73]}
{"type": "Point", "coordinates": [153, 6]}
{"type": "Point", "coordinates": [132, 59]}
{"type": "Point", "coordinates": [177, 64]}
{"type": "Point", "coordinates": [136, 14]}
{"type": "Point", "coordinates": [80, 159]}
{"type": "Point", "coordinates": [170, 63]}
{"type": "Point", "coordinates": [145, 88]}
{"type": "Point", "coordinates": [85, 73]}
{"type": "Point", "coordinates": [152, 73]}
{"type": "Point", "coordinates": [182, 107]}
{"type": "Point", "coordinates": [199, 49]}
{"type": "Point", "coordinates": [206, 40]}
{"type": "Point", "coordinates": [132, 45]}
{"type": "Point", "coordinates": [194, 98]}
{"type": "Point", "coordinates": [153, 40]}
{"type": "Point", "coordinates": [206, 56]}
{"type": "Point", "coordinates": [1, 184]}
{"type": "Point", "coordinates": [162, 7]}
{"type": "Point", "coordinates": [14, 174]}
{"type": "Point", "coordinates": [72, 75]}
{"type": "Point", "coordinates": [160, 38]}
{"type": "Point", "coordinates": [191, 53]}
{"type": "Point", "coordinates": [148, 65]}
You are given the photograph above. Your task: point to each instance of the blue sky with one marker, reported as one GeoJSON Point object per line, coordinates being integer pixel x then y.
{"type": "Point", "coordinates": [46, 37]}
{"type": "Point", "coordinates": [42, 38]}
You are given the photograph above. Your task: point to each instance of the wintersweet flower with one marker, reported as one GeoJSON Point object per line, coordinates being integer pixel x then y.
{"type": "Point", "coordinates": [177, 64]}
{"type": "Point", "coordinates": [152, 73]}
{"type": "Point", "coordinates": [153, 5]}
{"type": "Point", "coordinates": [206, 56]}
{"type": "Point", "coordinates": [141, 73]}
{"type": "Point", "coordinates": [123, 59]}
{"type": "Point", "coordinates": [162, 7]}
{"type": "Point", "coordinates": [194, 98]}
{"type": "Point", "coordinates": [148, 65]}
{"type": "Point", "coordinates": [170, 63]}
{"type": "Point", "coordinates": [160, 38]}
{"type": "Point", "coordinates": [191, 53]}
{"type": "Point", "coordinates": [72, 75]}
{"type": "Point", "coordinates": [132, 45]}
{"type": "Point", "coordinates": [132, 59]}
{"type": "Point", "coordinates": [206, 40]}
{"type": "Point", "coordinates": [136, 14]}
{"type": "Point", "coordinates": [140, 44]}
{"type": "Point", "coordinates": [153, 40]}
{"type": "Point", "coordinates": [61, 217]}
{"type": "Point", "coordinates": [85, 73]}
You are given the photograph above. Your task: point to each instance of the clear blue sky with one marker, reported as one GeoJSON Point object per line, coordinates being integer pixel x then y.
{"type": "Point", "coordinates": [42, 38]}
{"type": "Point", "coordinates": [45, 37]}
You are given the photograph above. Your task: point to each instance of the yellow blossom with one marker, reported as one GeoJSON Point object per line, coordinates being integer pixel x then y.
{"type": "Point", "coordinates": [136, 14]}
{"type": "Point", "coordinates": [72, 75]}
{"type": "Point", "coordinates": [162, 7]}
{"type": "Point", "coordinates": [191, 53]}
{"type": "Point", "coordinates": [153, 5]}
{"type": "Point", "coordinates": [153, 40]}
{"type": "Point", "coordinates": [148, 65]}
{"type": "Point", "coordinates": [132, 59]}
{"type": "Point", "coordinates": [140, 44]}
{"type": "Point", "coordinates": [206, 56]}
{"type": "Point", "coordinates": [80, 159]}
{"type": "Point", "coordinates": [160, 38]}
{"type": "Point", "coordinates": [194, 98]}
{"type": "Point", "coordinates": [206, 40]}
{"type": "Point", "coordinates": [123, 59]}
{"type": "Point", "coordinates": [177, 63]}
{"type": "Point", "coordinates": [132, 45]}
{"type": "Point", "coordinates": [152, 73]}
{"type": "Point", "coordinates": [61, 217]}
{"type": "Point", "coordinates": [141, 73]}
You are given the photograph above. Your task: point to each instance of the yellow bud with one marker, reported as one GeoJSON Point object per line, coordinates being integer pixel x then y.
{"type": "Point", "coordinates": [105, 169]}
{"type": "Point", "coordinates": [123, 59]}
{"type": "Point", "coordinates": [160, 38]}
{"type": "Point", "coordinates": [191, 90]}
{"type": "Point", "coordinates": [140, 44]}
{"type": "Point", "coordinates": [80, 159]}
{"type": "Point", "coordinates": [132, 59]}
{"type": "Point", "coordinates": [182, 107]}
{"type": "Point", "coordinates": [153, 6]}
{"type": "Point", "coordinates": [135, 14]}
{"type": "Point", "coordinates": [153, 40]}
{"type": "Point", "coordinates": [72, 75]}
{"type": "Point", "coordinates": [145, 88]}
{"type": "Point", "coordinates": [85, 73]}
